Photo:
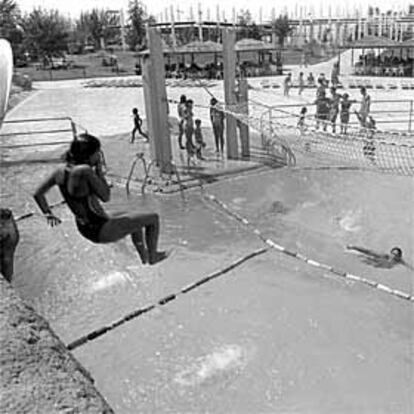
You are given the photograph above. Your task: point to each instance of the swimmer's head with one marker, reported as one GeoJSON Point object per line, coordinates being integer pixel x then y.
{"type": "Point", "coordinates": [83, 149]}
{"type": "Point", "coordinates": [396, 254]}
{"type": "Point", "coordinates": [134, 111]}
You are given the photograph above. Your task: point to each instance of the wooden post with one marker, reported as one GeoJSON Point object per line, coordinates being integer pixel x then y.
{"type": "Point", "coordinates": [244, 109]}
{"type": "Point", "coordinates": [156, 105]}
{"type": "Point", "coordinates": [229, 72]}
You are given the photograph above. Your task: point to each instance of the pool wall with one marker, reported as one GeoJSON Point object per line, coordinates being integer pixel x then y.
{"type": "Point", "coordinates": [38, 373]}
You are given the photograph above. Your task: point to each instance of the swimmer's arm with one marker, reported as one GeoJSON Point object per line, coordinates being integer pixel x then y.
{"type": "Point", "coordinates": [362, 250]}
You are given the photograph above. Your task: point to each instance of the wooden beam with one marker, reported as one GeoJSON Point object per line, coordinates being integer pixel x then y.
{"type": "Point", "coordinates": [156, 104]}
{"type": "Point", "coordinates": [229, 69]}
{"type": "Point", "coordinates": [244, 109]}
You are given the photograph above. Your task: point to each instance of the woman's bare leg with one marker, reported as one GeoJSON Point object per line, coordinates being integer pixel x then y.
{"type": "Point", "coordinates": [120, 226]}
{"type": "Point", "coordinates": [138, 242]}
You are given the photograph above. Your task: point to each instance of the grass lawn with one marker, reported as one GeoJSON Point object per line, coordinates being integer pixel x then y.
{"type": "Point", "coordinates": [90, 66]}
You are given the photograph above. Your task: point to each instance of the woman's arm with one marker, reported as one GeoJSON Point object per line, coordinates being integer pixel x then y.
{"type": "Point", "coordinates": [41, 200]}
{"type": "Point", "coordinates": [98, 184]}
{"type": "Point", "coordinates": [42, 189]}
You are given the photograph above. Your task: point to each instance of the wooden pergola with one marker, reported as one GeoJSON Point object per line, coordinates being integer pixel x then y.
{"type": "Point", "coordinates": [244, 48]}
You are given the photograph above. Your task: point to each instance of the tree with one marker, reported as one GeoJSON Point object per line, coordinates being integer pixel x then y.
{"type": "Point", "coordinates": [9, 23]}
{"type": "Point", "coordinates": [97, 26]}
{"type": "Point", "coordinates": [95, 21]}
{"type": "Point", "coordinates": [247, 28]}
{"type": "Point", "coordinates": [45, 33]}
{"type": "Point", "coordinates": [137, 25]}
{"type": "Point", "coordinates": [281, 28]}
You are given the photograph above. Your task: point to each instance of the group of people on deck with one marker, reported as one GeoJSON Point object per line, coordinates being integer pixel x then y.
{"type": "Point", "coordinates": [329, 107]}
{"type": "Point", "coordinates": [188, 127]}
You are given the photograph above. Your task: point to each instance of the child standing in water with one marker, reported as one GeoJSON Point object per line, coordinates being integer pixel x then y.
{"type": "Point", "coordinates": [137, 126]}
{"type": "Point", "coordinates": [82, 184]}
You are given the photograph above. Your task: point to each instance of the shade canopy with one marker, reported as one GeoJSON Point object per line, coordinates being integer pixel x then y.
{"type": "Point", "coordinates": [373, 42]}
{"type": "Point", "coordinates": [245, 45]}
{"type": "Point", "coordinates": [203, 47]}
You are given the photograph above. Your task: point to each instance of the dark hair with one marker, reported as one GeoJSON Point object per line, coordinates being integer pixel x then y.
{"type": "Point", "coordinates": [213, 101]}
{"type": "Point", "coordinates": [303, 110]}
{"type": "Point", "coordinates": [134, 110]}
{"type": "Point", "coordinates": [363, 89]}
{"type": "Point", "coordinates": [198, 121]}
{"type": "Point", "coordinates": [397, 252]}
{"type": "Point", "coordinates": [183, 99]}
{"type": "Point", "coordinates": [82, 148]}
{"type": "Point", "coordinates": [189, 102]}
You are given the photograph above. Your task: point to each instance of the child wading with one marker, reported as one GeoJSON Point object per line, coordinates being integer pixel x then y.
{"type": "Point", "coordinates": [137, 125]}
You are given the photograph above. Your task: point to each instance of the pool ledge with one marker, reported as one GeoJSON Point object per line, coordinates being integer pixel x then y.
{"type": "Point", "coordinates": [38, 373]}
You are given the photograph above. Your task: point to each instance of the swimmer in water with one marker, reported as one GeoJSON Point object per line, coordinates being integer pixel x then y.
{"type": "Point", "coordinates": [382, 260]}
{"type": "Point", "coordinates": [82, 184]}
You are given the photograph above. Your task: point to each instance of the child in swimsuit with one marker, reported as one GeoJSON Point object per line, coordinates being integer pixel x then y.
{"type": "Point", "coordinates": [199, 142]}
{"type": "Point", "coordinates": [137, 126]}
{"type": "Point", "coordinates": [82, 184]}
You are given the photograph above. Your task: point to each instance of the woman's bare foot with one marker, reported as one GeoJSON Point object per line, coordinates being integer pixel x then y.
{"type": "Point", "coordinates": [158, 257]}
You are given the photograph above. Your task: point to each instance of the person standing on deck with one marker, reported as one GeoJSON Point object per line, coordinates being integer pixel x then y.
{"type": "Point", "coordinates": [322, 110]}
{"type": "Point", "coordinates": [345, 112]}
{"type": "Point", "coordinates": [301, 83]}
{"type": "Point", "coordinates": [365, 108]}
{"type": "Point", "coordinates": [181, 117]}
{"type": "Point", "coordinates": [189, 127]}
{"type": "Point", "coordinates": [287, 84]}
{"type": "Point", "coordinates": [217, 121]}
{"type": "Point", "coordinates": [334, 109]}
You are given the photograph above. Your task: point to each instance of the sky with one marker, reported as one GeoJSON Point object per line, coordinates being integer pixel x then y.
{"type": "Point", "coordinates": [157, 7]}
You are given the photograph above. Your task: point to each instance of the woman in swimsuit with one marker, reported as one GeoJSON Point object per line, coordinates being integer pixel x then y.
{"type": "Point", "coordinates": [82, 184]}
